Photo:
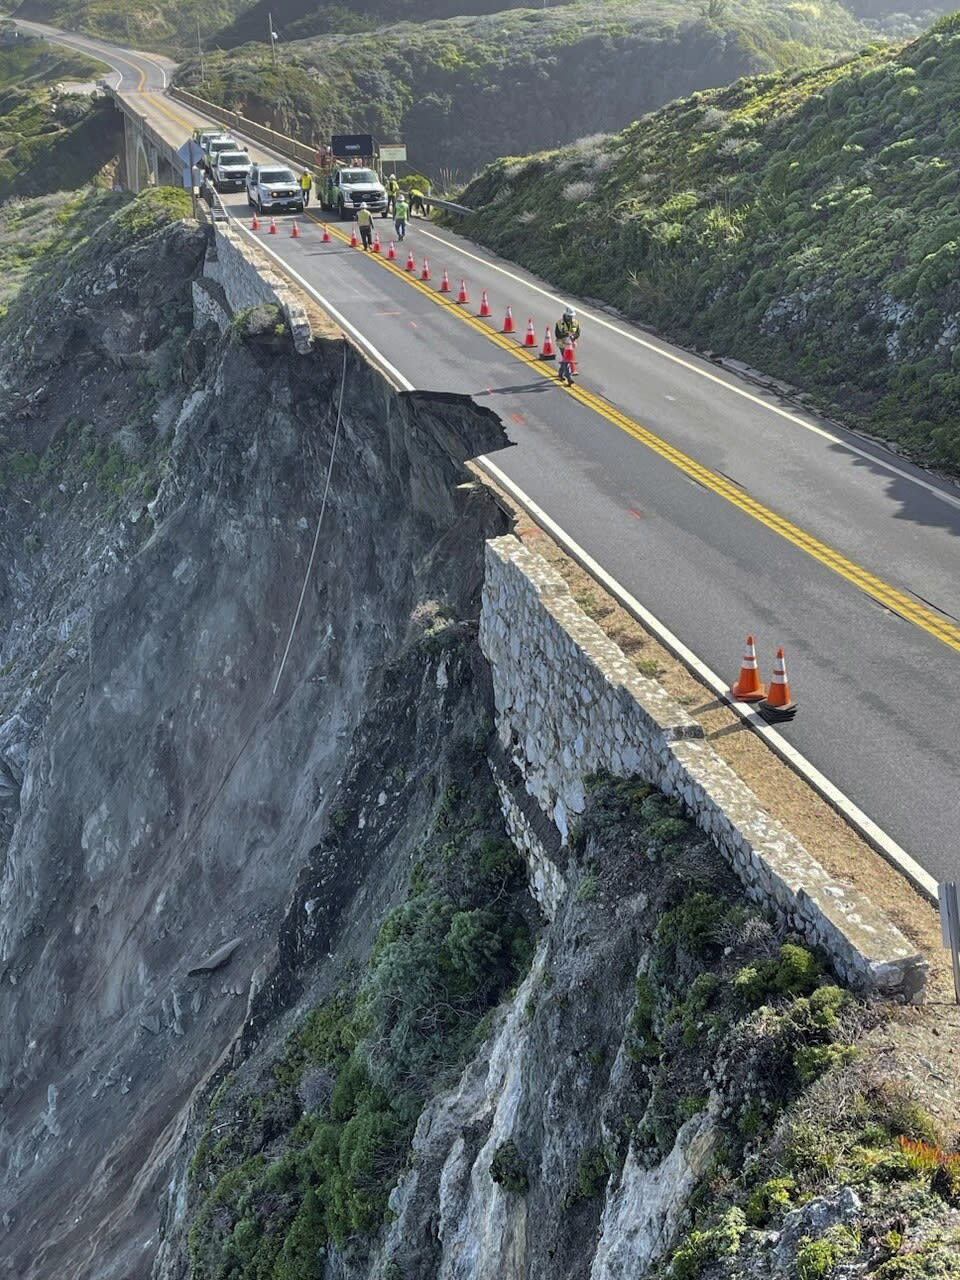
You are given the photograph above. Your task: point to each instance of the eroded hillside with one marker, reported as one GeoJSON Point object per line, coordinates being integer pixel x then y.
{"type": "Point", "coordinates": [161, 490]}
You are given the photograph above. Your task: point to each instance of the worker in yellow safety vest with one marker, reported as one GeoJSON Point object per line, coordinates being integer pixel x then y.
{"type": "Point", "coordinates": [393, 190]}
{"type": "Point", "coordinates": [306, 182]}
{"type": "Point", "coordinates": [365, 223]}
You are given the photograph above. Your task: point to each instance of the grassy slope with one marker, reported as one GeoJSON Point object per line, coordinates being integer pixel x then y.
{"type": "Point", "coordinates": [461, 91]}
{"type": "Point", "coordinates": [163, 25]}
{"type": "Point", "coordinates": [297, 19]}
{"type": "Point", "coordinates": [806, 223]}
{"type": "Point", "coordinates": [50, 142]}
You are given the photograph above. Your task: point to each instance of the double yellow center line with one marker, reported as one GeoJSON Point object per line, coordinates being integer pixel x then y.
{"type": "Point", "coordinates": [890, 597]}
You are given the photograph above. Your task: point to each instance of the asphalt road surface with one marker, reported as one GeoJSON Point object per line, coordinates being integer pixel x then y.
{"type": "Point", "coordinates": [723, 509]}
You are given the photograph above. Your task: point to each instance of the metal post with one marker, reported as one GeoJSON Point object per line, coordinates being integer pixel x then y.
{"type": "Point", "coordinates": [950, 928]}
{"type": "Point", "coordinates": [273, 38]}
{"type": "Point", "coordinates": [203, 70]}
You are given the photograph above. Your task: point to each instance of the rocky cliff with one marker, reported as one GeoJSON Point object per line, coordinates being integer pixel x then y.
{"type": "Point", "coordinates": [158, 796]}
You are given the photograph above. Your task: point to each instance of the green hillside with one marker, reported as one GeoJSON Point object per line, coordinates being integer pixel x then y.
{"type": "Point", "coordinates": [296, 19]}
{"type": "Point", "coordinates": [462, 91]}
{"type": "Point", "coordinates": [166, 26]}
{"type": "Point", "coordinates": [805, 223]}
{"type": "Point", "coordinates": [50, 141]}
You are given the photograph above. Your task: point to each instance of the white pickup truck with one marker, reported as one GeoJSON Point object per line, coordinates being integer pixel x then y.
{"type": "Point", "coordinates": [346, 188]}
{"type": "Point", "coordinates": [231, 169]}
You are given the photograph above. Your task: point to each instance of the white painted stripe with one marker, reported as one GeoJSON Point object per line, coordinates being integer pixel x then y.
{"type": "Point", "coordinates": [874, 835]}
{"type": "Point", "coordinates": [949, 498]}
{"type": "Point", "coordinates": [878, 839]}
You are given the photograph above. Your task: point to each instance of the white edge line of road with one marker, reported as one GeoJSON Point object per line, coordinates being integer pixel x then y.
{"type": "Point", "coordinates": [692, 367]}
{"type": "Point", "coordinates": [877, 838]}
{"type": "Point", "coordinates": [921, 880]}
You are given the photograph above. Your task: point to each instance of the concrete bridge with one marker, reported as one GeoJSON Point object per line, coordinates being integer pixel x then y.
{"type": "Point", "coordinates": [149, 157]}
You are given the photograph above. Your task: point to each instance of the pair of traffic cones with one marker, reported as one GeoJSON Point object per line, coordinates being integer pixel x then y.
{"type": "Point", "coordinates": [775, 704]}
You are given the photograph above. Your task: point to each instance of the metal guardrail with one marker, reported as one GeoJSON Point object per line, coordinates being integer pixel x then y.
{"type": "Point", "coordinates": [298, 151]}
{"type": "Point", "coordinates": [449, 205]}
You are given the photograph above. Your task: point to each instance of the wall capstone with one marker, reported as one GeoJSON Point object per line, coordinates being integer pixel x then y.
{"type": "Point", "coordinates": [569, 703]}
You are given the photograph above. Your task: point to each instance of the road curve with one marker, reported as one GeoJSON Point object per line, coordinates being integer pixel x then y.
{"type": "Point", "coordinates": [719, 506]}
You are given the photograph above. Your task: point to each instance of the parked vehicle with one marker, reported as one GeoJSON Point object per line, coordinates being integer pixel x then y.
{"type": "Point", "coordinates": [231, 169]}
{"type": "Point", "coordinates": [271, 186]}
{"type": "Point", "coordinates": [346, 188]}
{"type": "Point", "coordinates": [219, 142]}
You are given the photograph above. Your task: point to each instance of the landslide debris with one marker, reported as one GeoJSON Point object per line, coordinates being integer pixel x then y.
{"type": "Point", "coordinates": [805, 223]}
{"type": "Point", "coordinates": [161, 485]}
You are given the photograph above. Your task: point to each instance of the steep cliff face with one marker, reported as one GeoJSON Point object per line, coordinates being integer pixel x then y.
{"type": "Point", "coordinates": [671, 1088]}
{"type": "Point", "coordinates": [158, 795]}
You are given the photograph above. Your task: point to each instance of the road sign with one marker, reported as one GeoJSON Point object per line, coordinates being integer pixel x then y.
{"type": "Point", "coordinates": [391, 152]}
{"type": "Point", "coordinates": [351, 146]}
{"type": "Point", "coordinates": [190, 153]}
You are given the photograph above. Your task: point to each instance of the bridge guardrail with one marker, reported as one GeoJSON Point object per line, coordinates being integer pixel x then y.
{"type": "Point", "coordinates": [245, 128]}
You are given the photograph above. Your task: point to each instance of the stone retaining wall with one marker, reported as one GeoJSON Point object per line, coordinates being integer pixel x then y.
{"type": "Point", "coordinates": [248, 278]}
{"type": "Point", "coordinates": [568, 702]}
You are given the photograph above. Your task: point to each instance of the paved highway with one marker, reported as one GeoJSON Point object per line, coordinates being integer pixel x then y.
{"type": "Point", "coordinates": [721, 508]}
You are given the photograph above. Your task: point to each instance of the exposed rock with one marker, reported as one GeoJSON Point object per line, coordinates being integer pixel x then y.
{"type": "Point", "coordinates": [216, 959]}
{"type": "Point", "coordinates": [165, 795]}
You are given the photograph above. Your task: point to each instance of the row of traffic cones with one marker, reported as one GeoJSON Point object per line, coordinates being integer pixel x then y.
{"type": "Point", "coordinates": [548, 350]}
{"type": "Point", "coordinates": [774, 704]}
{"type": "Point", "coordinates": [272, 229]}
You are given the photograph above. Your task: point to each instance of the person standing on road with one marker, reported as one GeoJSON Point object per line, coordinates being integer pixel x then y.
{"type": "Point", "coordinates": [567, 329]}
{"type": "Point", "coordinates": [393, 190]}
{"type": "Point", "coordinates": [365, 223]}
{"type": "Point", "coordinates": [400, 216]}
{"type": "Point", "coordinates": [306, 182]}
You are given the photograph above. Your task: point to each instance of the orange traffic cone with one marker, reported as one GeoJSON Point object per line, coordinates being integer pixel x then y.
{"type": "Point", "coordinates": [254, 223]}
{"type": "Point", "coordinates": [748, 686]}
{"type": "Point", "coordinates": [273, 226]}
{"type": "Point", "coordinates": [411, 264]}
{"type": "Point", "coordinates": [462, 292]}
{"type": "Point", "coordinates": [508, 325]}
{"type": "Point", "coordinates": [777, 705]}
{"type": "Point", "coordinates": [354, 242]}
{"type": "Point", "coordinates": [295, 231]}
{"type": "Point", "coordinates": [548, 351]}
{"type": "Point", "coordinates": [445, 282]}
{"type": "Point", "coordinates": [392, 252]}
{"type": "Point", "coordinates": [376, 242]}
{"type": "Point", "coordinates": [425, 270]}
{"type": "Point", "coordinates": [325, 238]}
{"type": "Point", "coordinates": [568, 363]}
{"type": "Point", "coordinates": [484, 304]}
{"type": "Point", "coordinates": [530, 337]}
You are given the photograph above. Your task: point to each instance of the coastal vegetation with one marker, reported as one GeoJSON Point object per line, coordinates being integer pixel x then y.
{"type": "Point", "coordinates": [805, 223]}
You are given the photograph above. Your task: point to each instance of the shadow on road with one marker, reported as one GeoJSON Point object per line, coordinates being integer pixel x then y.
{"type": "Point", "coordinates": [539, 385]}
